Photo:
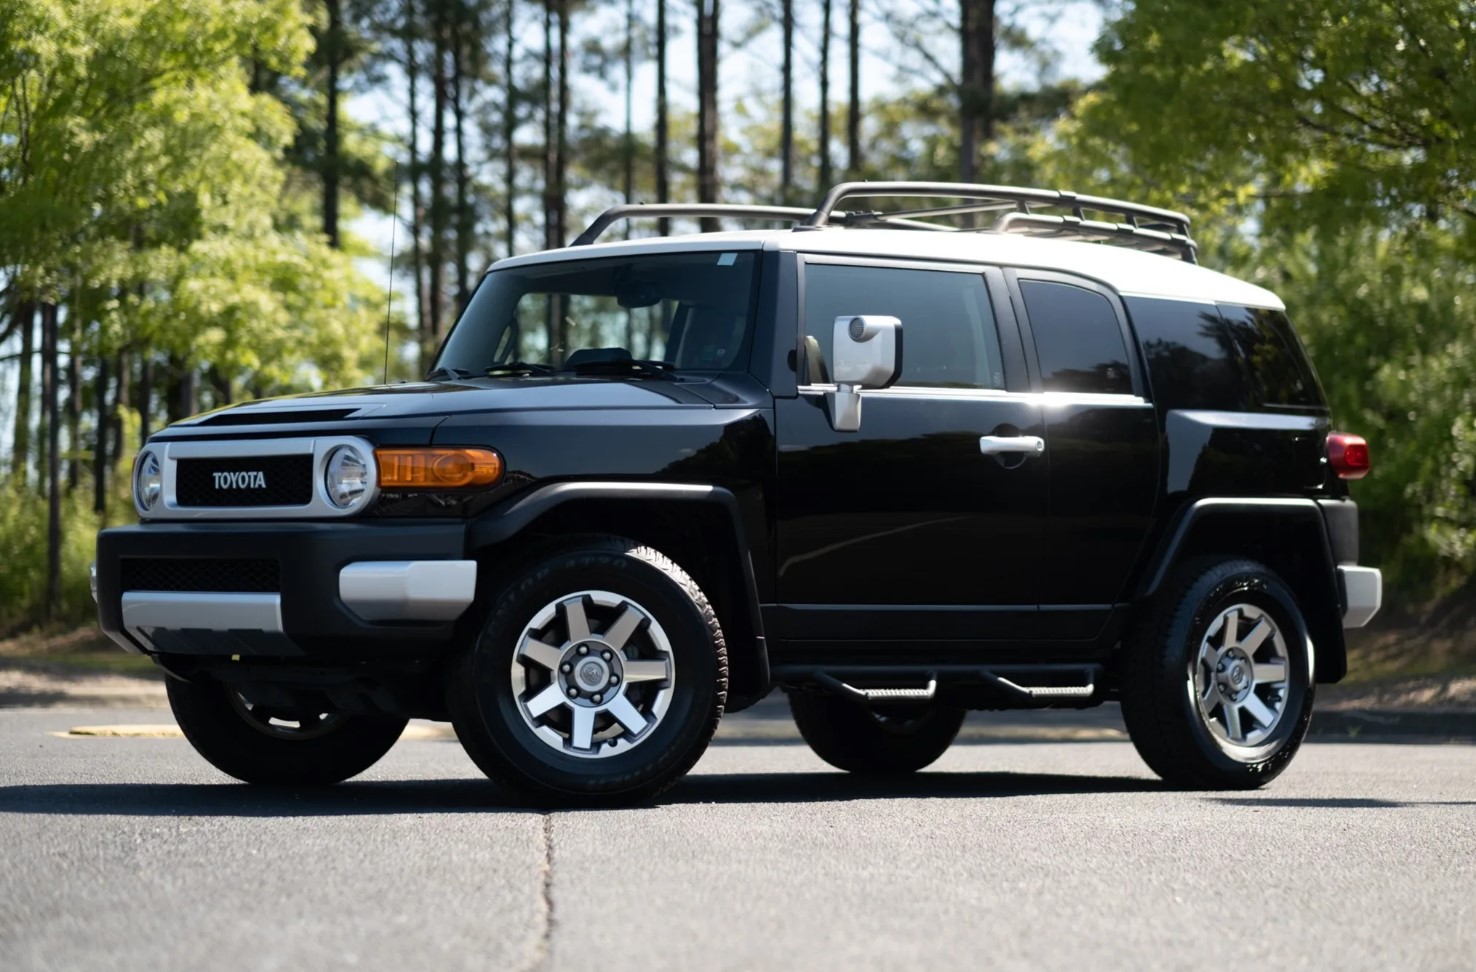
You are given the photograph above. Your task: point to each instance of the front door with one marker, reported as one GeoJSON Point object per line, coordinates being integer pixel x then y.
{"type": "Point", "coordinates": [907, 530]}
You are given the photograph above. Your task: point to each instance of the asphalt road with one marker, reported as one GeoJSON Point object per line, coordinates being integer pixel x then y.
{"type": "Point", "coordinates": [128, 853]}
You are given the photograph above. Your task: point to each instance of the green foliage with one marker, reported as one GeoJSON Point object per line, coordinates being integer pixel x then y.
{"type": "Point", "coordinates": [23, 568]}
{"type": "Point", "coordinates": [1324, 150]}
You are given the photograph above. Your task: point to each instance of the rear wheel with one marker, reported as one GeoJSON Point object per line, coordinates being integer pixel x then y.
{"type": "Point", "coordinates": [599, 676]}
{"type": "Point", "coordinates": [889, 740]}
{"type": "Point", "coordinates": [272, 746]}
{"type": "Point", "coordinates": [1217, 683]}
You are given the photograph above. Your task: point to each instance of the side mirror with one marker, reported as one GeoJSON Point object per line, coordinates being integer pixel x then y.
{"type": "Point", "coordinates": [867, 353]}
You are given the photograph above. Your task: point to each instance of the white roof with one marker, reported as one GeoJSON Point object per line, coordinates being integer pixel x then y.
{"type": "Point", "coordinates": [1130, 272]}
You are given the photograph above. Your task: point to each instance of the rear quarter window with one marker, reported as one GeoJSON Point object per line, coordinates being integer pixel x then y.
{"type": "Point", "coordinates": [1222, 356]}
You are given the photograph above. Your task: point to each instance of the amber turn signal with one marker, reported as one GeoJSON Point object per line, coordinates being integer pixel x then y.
{"type": "Point", "coordinates": [427, 468]}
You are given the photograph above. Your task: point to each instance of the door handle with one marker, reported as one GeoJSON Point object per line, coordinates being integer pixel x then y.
{"type": "Point", "coordinates": [1004, 445]}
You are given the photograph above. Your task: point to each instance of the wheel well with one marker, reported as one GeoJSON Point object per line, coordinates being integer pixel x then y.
{"type": "Point", "coordinates": [701, 537]}
{"type": "Point", "coordinates": [1295, 547]}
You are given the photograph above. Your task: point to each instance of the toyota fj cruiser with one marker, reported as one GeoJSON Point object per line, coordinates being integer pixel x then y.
{"type": "Point", "coordinates": [975, 450]}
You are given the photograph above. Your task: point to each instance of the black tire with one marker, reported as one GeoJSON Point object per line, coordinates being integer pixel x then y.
{"type": "Point", "coordinates": [1179, 738]}
{"type": "Point", "coordinates": [215, 724]}
{"type": "Point", "coordinates": [893, 741]}
{"type": "Point", "coordinates": [489, 714]}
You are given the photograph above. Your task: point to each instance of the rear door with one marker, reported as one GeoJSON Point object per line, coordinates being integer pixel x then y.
{"type": "Point", "coordinates": [1104, 445]}
{"type": "Point", "coordinates": [905, 530]}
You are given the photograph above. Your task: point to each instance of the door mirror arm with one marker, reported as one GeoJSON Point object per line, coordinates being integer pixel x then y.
{"type": "Point", "coordinates": [867, 353]}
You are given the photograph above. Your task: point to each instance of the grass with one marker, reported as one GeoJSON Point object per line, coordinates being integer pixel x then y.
{"type": "Point", "coordinates": [80, 650]}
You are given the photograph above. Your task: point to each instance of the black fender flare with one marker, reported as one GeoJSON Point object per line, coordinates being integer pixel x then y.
{"type": "Point", "coordinates": [507, 521]}
{"type": "Point", "coordinates": [1332, 661]}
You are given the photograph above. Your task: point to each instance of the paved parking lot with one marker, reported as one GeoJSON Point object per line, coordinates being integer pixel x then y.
{"type": "Point", "coordinates": [1031, 845]}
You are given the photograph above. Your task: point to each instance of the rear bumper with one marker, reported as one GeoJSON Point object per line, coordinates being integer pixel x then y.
{"type": "Point", "coordinates": [337, 590]}
{"type": "Point", "coordinates": [1363, 594]}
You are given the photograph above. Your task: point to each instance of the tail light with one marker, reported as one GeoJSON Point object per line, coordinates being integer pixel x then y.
{"type": "Point", "coordinates": [1348, 455]}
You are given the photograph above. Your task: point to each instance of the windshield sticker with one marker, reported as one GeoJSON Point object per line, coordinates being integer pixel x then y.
{"type": "Point", "coordinates": [727, 259]}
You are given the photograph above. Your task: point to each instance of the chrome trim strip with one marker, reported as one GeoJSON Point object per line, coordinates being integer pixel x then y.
{"type": "Point", "coordinates": [1042, 399]}
{"type": "Point", "coordinates": [318, 507]}
{"type": "Point", "coordinates": [199, 610]}
{"type": "Point", "coordinates": [408, 590]}
{"type": "Point", "coordinates": [1364, 589]}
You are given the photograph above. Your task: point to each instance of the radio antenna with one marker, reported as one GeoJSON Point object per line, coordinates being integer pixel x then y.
{"type": "Point", "coordinates": [389, 300]}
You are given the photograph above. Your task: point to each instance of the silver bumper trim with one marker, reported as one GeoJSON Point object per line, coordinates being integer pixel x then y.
{"type": "Point", "coordinates": [408, 590]}
{"type": "Point", "coordinates": [199, 611]}
{"type": "Point", "coordinates": [1364, 589]}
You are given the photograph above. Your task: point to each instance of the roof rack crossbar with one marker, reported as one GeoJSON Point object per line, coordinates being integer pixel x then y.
{"type": "Point", "coordinates": [1001, 197]}
{"type": "Point", "coordinates": [783, 214]}
{"type": "Point", "coordinates": [1074, 228]}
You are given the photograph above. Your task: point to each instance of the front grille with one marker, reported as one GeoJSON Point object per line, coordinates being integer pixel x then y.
{"type": "Point", "coordinates": [257, 481]}
{"type": "Point", "coordinates": [237, 575]}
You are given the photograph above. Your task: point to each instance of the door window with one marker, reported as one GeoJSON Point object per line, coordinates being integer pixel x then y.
{"type": "Point", "coordinates": [949, 336]}
{"type": "Point", "coordinates": [1077, 339]}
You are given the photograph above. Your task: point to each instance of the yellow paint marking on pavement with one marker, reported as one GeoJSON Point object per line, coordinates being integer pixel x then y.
{"type": "Point", "coordinates": [141, 731]}
{"type": "Point", "coordinates": [126, 732]}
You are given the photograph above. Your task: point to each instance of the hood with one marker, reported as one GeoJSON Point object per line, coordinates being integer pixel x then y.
{"type": "Point", "coordinates": [441, 398]}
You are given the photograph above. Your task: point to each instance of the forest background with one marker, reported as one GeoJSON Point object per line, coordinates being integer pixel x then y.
{"type": "Point", "coordinates": [197, 197]}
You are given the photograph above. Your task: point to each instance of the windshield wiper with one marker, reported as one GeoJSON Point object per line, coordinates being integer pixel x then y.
{"type": "Point", "coordinates": [441, 374]}
{"type": "Point", "coordinates": [625, 366]}
{"type": "Point", "coordinates": [516, 367]}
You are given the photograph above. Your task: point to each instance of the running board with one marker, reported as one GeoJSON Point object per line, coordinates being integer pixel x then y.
{"type": "Point", "coordinates": [924, 694]}
{"type": "Point", "coordinates": [1050, 691]}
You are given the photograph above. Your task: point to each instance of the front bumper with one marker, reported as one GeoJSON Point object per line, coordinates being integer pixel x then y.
{"type": "Point", "coordinates": [331, 590]}
{"type": "Point", "coordinates": [1363, 594]}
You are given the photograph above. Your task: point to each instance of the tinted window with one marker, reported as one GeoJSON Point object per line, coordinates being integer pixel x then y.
{"type": "Point", "coordinates": [691, 309]}
{"type": "Point", "coordinates": [1275, 363]}
{"type": "Point", "coordinates": [1192, 363]}
{"type": "Point", "coordinates": [1077, 339]}
{"type": "Point", "coordinates": [949, 338]}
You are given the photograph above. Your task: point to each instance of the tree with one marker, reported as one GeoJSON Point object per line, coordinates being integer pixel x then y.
{"type": "Point", "coordinates": [786, 131]}
{"type": "Point", "coordinates": [854, 154]}
{"type": "Point", "coordinates": [707, 102]}
{"type": "Point", "coordinates": [976, 84]}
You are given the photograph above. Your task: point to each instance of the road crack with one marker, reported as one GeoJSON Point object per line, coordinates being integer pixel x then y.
{"type": "Point", "coordinates": [543, 954]}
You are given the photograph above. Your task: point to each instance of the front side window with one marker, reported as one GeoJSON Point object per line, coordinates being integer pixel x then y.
{"type": "Point", "coordinates": [949, 337]}
{"type": "Point", "coordinates": [692, 310]}
{"type": "Point", "coordinates": [1077, 339]}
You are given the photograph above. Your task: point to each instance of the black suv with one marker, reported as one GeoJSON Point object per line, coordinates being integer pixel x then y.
{"type": "Point", "coordinates": [978, 450]}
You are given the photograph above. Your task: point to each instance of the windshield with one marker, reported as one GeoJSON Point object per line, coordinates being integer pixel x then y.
{"type": "Point", "coordinates": [689, 309]}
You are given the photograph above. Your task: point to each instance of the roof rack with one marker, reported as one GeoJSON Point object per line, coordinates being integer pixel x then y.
{"type": "Point", "coordinates": [783, 214]}
{"type": "Point", "coordinates": [1144, 228]}
{"type": "Point", "coordinates": [1031, 212]}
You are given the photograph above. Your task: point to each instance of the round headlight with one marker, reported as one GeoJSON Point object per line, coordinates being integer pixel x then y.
{"type": "Point", "coordinates": [346, 477]}
{"type": "Point", "coordinates": [148, 481]}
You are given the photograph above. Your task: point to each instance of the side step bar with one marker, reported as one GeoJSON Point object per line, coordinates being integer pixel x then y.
{"type": "Point", "coordinates": [1084, 680]}
{"type": "Point", "coordinates": [924, 694]}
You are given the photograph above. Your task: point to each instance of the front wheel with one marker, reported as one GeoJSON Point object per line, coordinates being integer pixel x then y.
{"type": "Point", "coordinates": [277, 747]}
{"type": "Point", "coordinates": [1218, 677]}
{"type": "Point", "coordinates": [599, 676]}
{"type": "Point", "coordinates": [885, 741]}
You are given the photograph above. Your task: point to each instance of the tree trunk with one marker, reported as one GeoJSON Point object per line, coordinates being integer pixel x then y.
{"type": "Point", "coordinates": [509, 132]}
{"type": "Point", "coordinates": [464, 221]}
{"type": "Point", "coordinates": [438, 214]}
{"type": "Point", "coordinates": [417, 202]}
{"type": "Point", "coordinates": [74, 403]}
{"type": "Point", "coordinates": [627, 148]}
{"type": "Point", "coordinates": [51, 395]}
{"type": "Point", "coordinates": [561, 165]}
{"type": "Point", "coordinates": [145, 399]}
{"type": "Point", "coordinates": [854, 159]}
{"type": "Point", "coordinates": [121, 400]}
{"type": "Point", "coordinates": [104, 427]}
{"type": "Point", "coordinates": [663, 122]}
{"type": "Point", "coordinates": [707, 104]}
{"type": "Point", "coordinates": [20, 467]}
{"type": "Point", "coordinates": [825, 95]}
{"type": "Point", "coordinates": [976, 88]}
{"type": "Point", "coordinates": [786, 124]}
{"type": "Point", "coordinates": [333, 44]}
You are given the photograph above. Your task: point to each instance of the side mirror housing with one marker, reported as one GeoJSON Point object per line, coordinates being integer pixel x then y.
{"type": "Point", "coordinates": [866, 353]}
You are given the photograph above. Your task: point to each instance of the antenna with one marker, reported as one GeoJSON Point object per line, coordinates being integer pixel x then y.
{"type": "Point", "coordinates": [389, 300]}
